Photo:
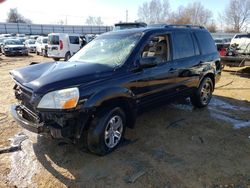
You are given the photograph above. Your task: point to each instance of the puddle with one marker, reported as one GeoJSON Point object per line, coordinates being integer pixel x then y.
{"type": "Point", "coordinates": [237, 124]}
{"type": "Point", "coordinates": [23, 163]}
{"type": "Point", "coordinates": [217, 109]}
{"type": "Point", "coordinates": [215, 102]}
{"type": "Point", "coordinates": [183, 106]}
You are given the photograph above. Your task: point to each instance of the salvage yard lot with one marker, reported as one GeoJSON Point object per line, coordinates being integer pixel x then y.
{"type": "Point", "coordinates": [171, 146]}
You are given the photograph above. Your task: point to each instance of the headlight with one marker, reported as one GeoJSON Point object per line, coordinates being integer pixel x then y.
{"type": "Point", "coordinates": [61, 99]}
{"type": "Point", "coordinates": [6, 48]}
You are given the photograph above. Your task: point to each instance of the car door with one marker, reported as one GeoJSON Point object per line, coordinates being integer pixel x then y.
{"type": "Point", "coordinates": [159, 81]}
{"type": "Point", "coordinates": [186, 61]}
{"type": "Point", "coordinates": [74, 44]}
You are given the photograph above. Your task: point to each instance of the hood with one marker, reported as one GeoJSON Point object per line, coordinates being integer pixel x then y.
{"type": "Point", "coordinates": [45, 77]}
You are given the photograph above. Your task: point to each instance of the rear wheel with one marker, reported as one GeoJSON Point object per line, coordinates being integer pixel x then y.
{"type": "Point", "coordinates": [67, 56]}
{"type": "Point", "coordinates": [106, 131]}
{"type": "Point", "coordinates": [203, 93]}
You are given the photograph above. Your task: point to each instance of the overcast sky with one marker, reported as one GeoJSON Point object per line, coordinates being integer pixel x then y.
{"type": "Point", "coordinates": [76, 11]}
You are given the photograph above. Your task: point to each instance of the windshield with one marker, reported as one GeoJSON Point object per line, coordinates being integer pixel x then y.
{"type": "Point", "coordinates": [45, 41]}
{"type": "Point", "coordinates": [13, 42]}
{"type": "Point", "coordinates": [32, 42]}
{"type": "Point", "coordinates": [111, 50]}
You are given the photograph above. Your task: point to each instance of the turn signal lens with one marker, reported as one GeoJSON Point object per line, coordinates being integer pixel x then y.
{"type": "Point", "coordinates": [71, 103]}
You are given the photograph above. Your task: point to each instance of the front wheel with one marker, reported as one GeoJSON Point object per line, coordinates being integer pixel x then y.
{"type": "Point", "coordinates": [203, 93]}
{"type": "Point", "coordinates": [106, 131]}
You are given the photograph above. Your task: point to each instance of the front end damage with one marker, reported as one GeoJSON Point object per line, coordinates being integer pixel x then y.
{"type": "Point", "coordinates": [58, 123]}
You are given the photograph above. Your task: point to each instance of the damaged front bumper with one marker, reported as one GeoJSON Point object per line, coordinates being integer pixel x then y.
{"type": "Point", "coordinates": [31, 126]}
{"type": "Point", "coordinates": [58, 124]}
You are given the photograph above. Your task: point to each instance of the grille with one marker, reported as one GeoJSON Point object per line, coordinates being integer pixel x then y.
{"type": "Point", "coordinates": [17, 48]}
{"type": "Point", "coordinates": [24, 96]}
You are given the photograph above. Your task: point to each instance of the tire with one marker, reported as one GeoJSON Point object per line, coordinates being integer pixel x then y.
{"type": "Point", "coordinates": [56, 59]}
{"type": "Point", "coordinates": [67, 56]}
{"type": "Point", "coordinates": [43, 53]}
{"type": "Point", "coordinates": [101, 136]}
{"type": "Point", "coordinates": [37, 53]}
{"type": "Point", "coordinates": [203, 93]}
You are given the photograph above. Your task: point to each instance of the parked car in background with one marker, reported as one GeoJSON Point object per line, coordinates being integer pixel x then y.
{"type": "Point", "coordinates": [63, 45]}
{"type": "Point", "coordinates": [33, 37]}
{"type": "Point", "coordinates": [129, 25]}
{"type": "Point", "coordinates": [1, 44]}
{"type": "Point", "coordinates": [13, 47]}
{"type": "Point", "coordinates": [30, 44]}
{"type": "Point", "coordinates": [220, 41]}
{"type": "Point", "coordinates": [98, 93]}
{"type": "Point", "coordinates": [42, 46]}
{"type": "Point", "coordinates": [222, 44]}
{"type": "Point", "coordinates": [240, 39]}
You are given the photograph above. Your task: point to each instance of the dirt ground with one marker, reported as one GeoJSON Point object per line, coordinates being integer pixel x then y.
{"type": "Point", "coordinates": [171, 146]}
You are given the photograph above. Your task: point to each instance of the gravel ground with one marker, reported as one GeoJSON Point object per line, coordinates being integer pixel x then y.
{"type": "Point", "coordinates": [171, 146]}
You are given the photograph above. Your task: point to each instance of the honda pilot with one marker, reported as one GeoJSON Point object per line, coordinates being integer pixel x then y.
{"type": "Point", "coordinates": [98, 92]}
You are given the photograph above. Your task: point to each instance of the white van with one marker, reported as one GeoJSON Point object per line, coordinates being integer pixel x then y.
{"type": "Point", "coordinates": [41, 46]}
{"type": "Point", "coordinates": [63, 45]}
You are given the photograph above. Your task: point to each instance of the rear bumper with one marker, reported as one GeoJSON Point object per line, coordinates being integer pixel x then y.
{"type": "Point", "coordinates": [33, 127]}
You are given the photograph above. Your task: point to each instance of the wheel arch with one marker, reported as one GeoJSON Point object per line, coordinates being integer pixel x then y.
{"type": "Point", "coordinates": [114, 97]}
{"type": "Point", "coordinates": [209, 75]}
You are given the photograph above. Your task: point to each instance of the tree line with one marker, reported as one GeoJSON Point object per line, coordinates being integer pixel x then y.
{"type": "Point", "coordinates": [234, 18]}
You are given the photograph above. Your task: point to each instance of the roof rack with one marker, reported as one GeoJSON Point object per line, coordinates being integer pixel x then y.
{"type": "Point", "coordinates": [177, 26]}
{"type": "Point", "coordinates": [186, 26]}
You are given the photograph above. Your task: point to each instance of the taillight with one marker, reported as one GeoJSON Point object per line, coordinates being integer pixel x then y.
{"type": "Point", "coordinates": [61, 44]}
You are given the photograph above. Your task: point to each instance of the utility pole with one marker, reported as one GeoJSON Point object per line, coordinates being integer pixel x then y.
{"type": "Point", "coordinates": [126, 15]}
{"type": "Point", "coordinates": [66, 20]}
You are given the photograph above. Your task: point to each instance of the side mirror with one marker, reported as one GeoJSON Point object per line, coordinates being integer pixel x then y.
{"type": "Point", "coordinates": [147, 62]}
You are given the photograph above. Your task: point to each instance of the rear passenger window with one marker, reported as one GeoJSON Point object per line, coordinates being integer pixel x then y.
{"type": "Point", "coordinates": [206, 42]}
{"type": "Point", "coordinates": [183, 45]}
{"type": "Point", "coordinates": [74, 39]}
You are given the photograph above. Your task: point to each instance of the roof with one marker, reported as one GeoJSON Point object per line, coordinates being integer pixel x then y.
{"type": "Point", "coordinates": [158, 28]}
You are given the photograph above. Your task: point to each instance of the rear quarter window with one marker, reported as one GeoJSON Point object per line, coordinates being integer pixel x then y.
{"type": "Point", "coordinates": [74, 39]}
{"type": "Point", "coordinates": [183, 45]}
{"type": "Point", "coordinates": [206, 42]}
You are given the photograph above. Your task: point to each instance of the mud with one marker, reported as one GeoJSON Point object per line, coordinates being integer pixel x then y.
{"type": "Point", "coordinates": [172, 146]}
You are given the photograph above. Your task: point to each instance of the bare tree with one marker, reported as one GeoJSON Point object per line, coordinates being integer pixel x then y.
{"type": "Point", "coordinates": [15, 17]}
{"type": "Point", "coordinates": [94, 21]}
{"type": "Point", "coordinates": [155, 11]}
{"type": "Point", "coordinates": [212, 27]}
{"type": "Point", "coordinates": [237, 15]}
{"type": "Point", "coordinates": [193, 13]}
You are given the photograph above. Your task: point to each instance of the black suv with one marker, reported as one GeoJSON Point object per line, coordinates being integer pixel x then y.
{"type": "Point", "coordinates": [99, 91]}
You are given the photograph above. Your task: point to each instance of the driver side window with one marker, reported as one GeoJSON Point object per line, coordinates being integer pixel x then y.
{"type": "Point", "coordinates": [157, 46]}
